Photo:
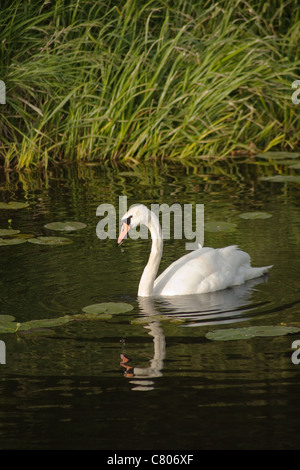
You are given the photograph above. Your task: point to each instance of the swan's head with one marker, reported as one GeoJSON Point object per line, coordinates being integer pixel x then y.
{"type": "Point", "coordinates": [138, 214]}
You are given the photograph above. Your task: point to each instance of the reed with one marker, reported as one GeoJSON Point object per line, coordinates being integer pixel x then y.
{"type": "Point", "coordinates": [136, 81]}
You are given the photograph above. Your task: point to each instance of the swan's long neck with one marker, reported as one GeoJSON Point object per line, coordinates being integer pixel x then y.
{"type": "Point", "coordinates": [151, 268]}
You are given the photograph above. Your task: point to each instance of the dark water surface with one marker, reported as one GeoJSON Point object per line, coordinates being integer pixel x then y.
{"type": "Point", "coordinates": [65, 388]}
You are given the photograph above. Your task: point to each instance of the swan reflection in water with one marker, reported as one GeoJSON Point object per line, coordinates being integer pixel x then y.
{"type": "Point", "coordinates": [141, 375]}
{"type": "Point", "coordinates": [215, 308]}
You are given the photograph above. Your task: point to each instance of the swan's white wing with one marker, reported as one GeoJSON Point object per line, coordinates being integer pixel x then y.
{"type": "Point", "coordinates": [206, 270]}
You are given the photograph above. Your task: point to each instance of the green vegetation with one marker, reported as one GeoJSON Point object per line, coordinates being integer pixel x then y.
{"type": "Point", "coordinates": [233, 334]}
{"type": "Point", "coordinates": [133, 81]}
{"type": "Point", "coordinates": [103, 311]}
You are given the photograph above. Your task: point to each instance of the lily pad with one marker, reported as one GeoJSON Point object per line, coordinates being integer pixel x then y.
{"type": "Point", "coordinates": [232, 334]}
{"type": "Point", "coordinates": [7, 326]}
{"type": "Point", "coordinates": [108, 307]}
{"type": "Point", "coordinates": [278, 155]}
{"type": "Point", "coordinates": [13, 205]}
{"type": "Point", "coordinates": [65, 226]}
{"type": "Point", "coordinates": [8, 232]}
{"type": "Point", "coordinates": [282, 179]}
{"type": "Point", "coordinates": [44, 323]}
{"type": "Point", "coordinates": [91, 316]}
{"type": "Point", "coordinates": [103, 311]}
{"type": "Point", "coordinates": [169, 319]}
{"type": "Point", "coordinates": [7, 318]}
{"type": "Point", "coordinates": [145, 320]}
{"type": "Point", "coordinates": [24, 236]}
{"type": "Point", "coordinates": [50, 241]}
{"type": "Point", "coordinates": [12, 241]}
{"type": "Point", "coordinates": [219, 226]}
{"type": "Point", "coordinates": [255, 215]}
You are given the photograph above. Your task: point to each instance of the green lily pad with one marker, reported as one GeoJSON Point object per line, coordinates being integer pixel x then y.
{"type": "Point", "coordinates": [232, 334]}
{"type": "Point", "coordinates": [7, 326]}
{"type": "Point", "coordinates": [219, 226]}
{"type": "Point", "coordinates": [24, 236]}
{"type": "Point", "coordinates": [65, 226]}
{"type": "Point", "coordinates": [282, 179]}
{"type": "Point", "coordinates": [8, 232]}
{"type": "Point", "coordinates": [91, 316]}
{"type": "Point", "coordinates": [50, 241]}
{"type": "Point", "coordinates": [13, 205]}
{"type": "Point", "coordinates": [174, 321]}
{"type": "Point", "coordinates": [278, 155]}
{"type": "Point", "coordinates": [145, 320]}
{"type": "Point", "coordinates": [11, 241]}
{"type": "Point", "coordinates": [44, 323]}
{"type": "Point", "coordinates": [7, 318]}
{"type": "Point", "coordinates": [108, 307]}
{"type": "Point", "coordinates": [255, 215]}
{"type": "Point", "coordinates": [97, 312]}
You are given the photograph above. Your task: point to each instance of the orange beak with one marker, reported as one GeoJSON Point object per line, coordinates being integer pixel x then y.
{"type": "Point", "coordinates": [123, 233]}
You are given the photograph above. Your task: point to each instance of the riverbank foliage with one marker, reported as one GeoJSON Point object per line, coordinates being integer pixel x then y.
{"type": "Point", "coordinates": [133, 81]}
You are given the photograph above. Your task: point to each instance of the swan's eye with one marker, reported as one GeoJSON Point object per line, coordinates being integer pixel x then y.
{"type": "Point", "coordinates": [128, 220]}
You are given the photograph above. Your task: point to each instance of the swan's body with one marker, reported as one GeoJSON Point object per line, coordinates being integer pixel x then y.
{"type": "Point", "coordinates": [201, 271]}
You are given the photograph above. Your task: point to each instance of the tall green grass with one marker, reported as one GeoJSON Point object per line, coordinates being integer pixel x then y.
{"type": "Point", "coordinates": [135, 80]}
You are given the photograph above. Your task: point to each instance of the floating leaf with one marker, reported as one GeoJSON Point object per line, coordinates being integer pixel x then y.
{"type": "Point", "coordinates": [278, 155]}
{"type": "Point", "coordinates": [145, 320]}
{"type": "Point", "coordinates": [91, 316]}
{"type": "Point", "coordinates": [65, 226]}
{"type": "Point", "coordinates": [282, 179]}
{"type": "Point", "coordinates": [104, 312]}
{"type": "Point", "coordinates": [255, 215]}
{"type": "Point", "coordinates": [24, 236]}
{"type": "Point", "coordinates": [232, 334]}
{"type": "Point", "coordinates": [13, 205]}
{"type": "Point", "coordinates": [44, 323]}
{"type": "Point", "coordinates": [11, 241]}
{"type": "Point", "coordinates": [7, 326]}
{"type": "Point", "coordinates": [8, 232]}
{"type": "Point", "coordinates": [108, 307]}
{"type": "Point", "coordinates": [7, 318]}
{"type": "Point", "coordinates": [219, 226]}
{"type": "Point", "coordinates": [50, 241]}
{"type": "Point", "coordinates": [172, 319]}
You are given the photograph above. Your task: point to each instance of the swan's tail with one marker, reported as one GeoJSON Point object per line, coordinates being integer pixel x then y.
{"type": "Point", "coordinates": [252, 273]}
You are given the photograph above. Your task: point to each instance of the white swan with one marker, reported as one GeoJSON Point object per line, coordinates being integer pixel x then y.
{"type": "Point", "coordinates": [203, 270]}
